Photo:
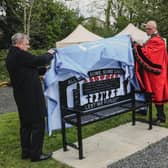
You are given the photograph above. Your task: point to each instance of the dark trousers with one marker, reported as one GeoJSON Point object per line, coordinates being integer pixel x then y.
{"type": "Point", "coordinates": [160, 112]}
{"type": "Point", "coordinates": [32, 135]}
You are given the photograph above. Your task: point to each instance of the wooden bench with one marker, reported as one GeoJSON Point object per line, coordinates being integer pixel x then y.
{"type": "Point", "coordinates": [104, 94]}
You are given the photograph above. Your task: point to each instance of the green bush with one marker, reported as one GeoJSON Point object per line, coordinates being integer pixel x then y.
{"type": "Point", "coordinates": [3, 54]}
{"type": "Point", "coordinates": [3, 72]}
{"type": "Point", "coordinates": [38, 52]}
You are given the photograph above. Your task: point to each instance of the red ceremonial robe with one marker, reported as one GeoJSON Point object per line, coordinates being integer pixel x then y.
{"type": "Point", "coordinates": [151, 68]}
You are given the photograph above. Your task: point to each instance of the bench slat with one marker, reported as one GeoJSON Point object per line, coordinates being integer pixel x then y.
{"type": "Point", "coordinates": [91, 116]}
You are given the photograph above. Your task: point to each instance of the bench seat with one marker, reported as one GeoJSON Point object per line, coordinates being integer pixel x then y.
{"type": "Point", "coordinates": [102, 112]}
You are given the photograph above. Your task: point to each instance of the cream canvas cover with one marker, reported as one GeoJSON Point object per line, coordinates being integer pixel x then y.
{"type": "Point", "coordinates": [79, 35]}
{"type": "Point", "coordinates": [136, 34]}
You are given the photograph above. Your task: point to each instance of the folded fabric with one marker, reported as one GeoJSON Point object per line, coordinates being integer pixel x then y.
{"type": "Point", "coordinates": [78, 60]}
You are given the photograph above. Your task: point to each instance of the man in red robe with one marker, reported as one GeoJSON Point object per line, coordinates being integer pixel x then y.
{"type": "Point", "coordinates": [151, 69]}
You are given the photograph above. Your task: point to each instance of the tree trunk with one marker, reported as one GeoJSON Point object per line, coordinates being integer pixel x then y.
{"type": "Point", "coordinates": [29, 17]}
{"type": "Point", "coordinates": [107, 13]}
{"type": "Point", "coordinates": [25, 19]}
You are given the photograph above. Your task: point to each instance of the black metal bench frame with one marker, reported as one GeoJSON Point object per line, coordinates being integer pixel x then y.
{"type": "Point", "coordinates": [78, 116]}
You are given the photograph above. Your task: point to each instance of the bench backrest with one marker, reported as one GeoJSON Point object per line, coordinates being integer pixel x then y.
{"type": "Point", "coordinates": [102, 87]}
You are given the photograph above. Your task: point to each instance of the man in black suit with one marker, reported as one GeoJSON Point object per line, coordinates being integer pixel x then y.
{"type": "Point", "coordinates": [23, 68]}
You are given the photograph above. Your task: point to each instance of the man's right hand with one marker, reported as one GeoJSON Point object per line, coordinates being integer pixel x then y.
{"type": "Point", "coordinates": [51, 51]}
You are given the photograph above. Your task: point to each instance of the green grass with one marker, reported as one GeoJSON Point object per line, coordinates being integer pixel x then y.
{"type": "Point", "coordinates": [10, 143]}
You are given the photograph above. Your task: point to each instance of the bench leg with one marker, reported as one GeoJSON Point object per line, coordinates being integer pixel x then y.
{"type": "Point", "coordinates": [64, 135]}
{"type": "Point", "coordinates": [133, 117]}
{"type": "Point", "coordinates": [79, 132]}
{"type": "Point", "coordinates": [150, 116]}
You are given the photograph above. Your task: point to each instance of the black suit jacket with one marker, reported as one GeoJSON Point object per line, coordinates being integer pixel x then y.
{"type": "Point", "coordinates": [28, 93]}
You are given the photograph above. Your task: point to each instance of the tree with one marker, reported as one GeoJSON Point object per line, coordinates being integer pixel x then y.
{"type": "Point", "coordinates": [18, 17]}
{"type": "Point", "coordinates": [45, 21]}
{"type": "Point", "coordinates": [27, 12]}
{"type": "Point", "coordinates": [144, 10]}
{"type": "Point", "coordinates": [137, 12]}
{"type": "Point", "coordinates": [119, 11]}
{"type": "Point", "coordinates": [11, 22]}
{"type": "Point", "coordinates": [51, 21]}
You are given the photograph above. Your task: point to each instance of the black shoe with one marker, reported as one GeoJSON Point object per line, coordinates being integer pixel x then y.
{"type": "Point", "coordinates": [159, 121]}
{"type": "Point", "coordinates": [42, 157]}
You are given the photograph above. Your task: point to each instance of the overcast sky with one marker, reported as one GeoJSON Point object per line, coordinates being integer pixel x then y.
{"type": "Point", "coordinates": [87, 8]}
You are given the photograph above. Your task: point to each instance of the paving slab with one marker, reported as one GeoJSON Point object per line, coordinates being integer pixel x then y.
{"type": "Point", "coordinates": [105, 148]}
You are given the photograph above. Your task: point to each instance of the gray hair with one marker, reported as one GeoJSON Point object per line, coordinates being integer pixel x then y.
{"type": "Point", "coordinates": [18, 38]}
{"type": "Point", "coordinates": [152, 23]}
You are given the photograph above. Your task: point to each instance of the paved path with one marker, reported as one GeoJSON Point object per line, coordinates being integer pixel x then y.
{"type": "Point", "coordinates": [7, 103]}
{"type": "Point", "coordinates": [108, 148]}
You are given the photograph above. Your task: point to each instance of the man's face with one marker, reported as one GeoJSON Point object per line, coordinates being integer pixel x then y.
{"type": "Point", "coordinates": [24, 45]}
{"type": "Point", "coordinates": [150, 29]}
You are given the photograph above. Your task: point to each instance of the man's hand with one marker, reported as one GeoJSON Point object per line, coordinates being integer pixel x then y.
{"type": "Point", "coordinates": [51, 51]}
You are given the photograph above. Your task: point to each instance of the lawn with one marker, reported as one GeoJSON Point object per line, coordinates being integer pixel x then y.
{"type": "Point", "coordinates": [10, 143]}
